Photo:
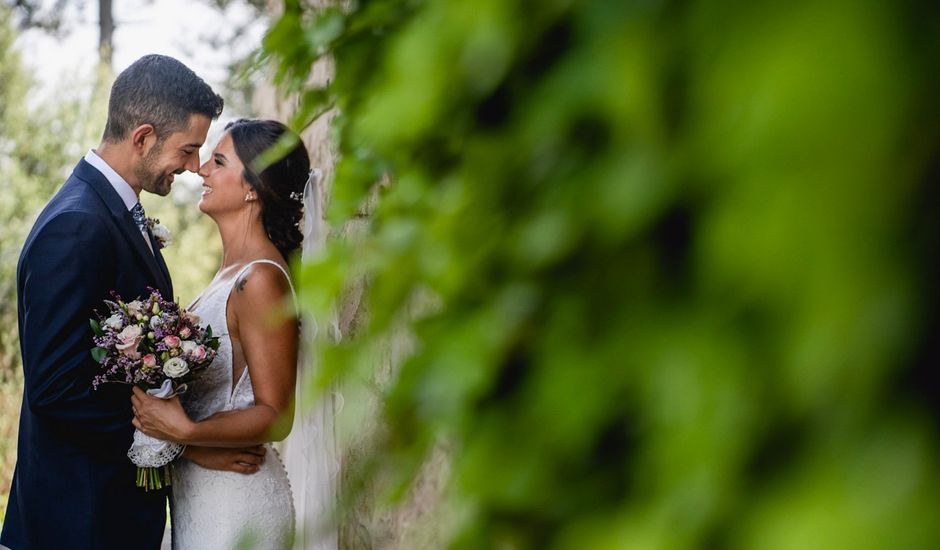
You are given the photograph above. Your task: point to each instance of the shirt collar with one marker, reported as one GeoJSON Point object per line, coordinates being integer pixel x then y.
{"type": "Point", "coordinates": [119, 184]}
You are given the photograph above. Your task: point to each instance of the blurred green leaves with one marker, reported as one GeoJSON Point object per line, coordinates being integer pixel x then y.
{"type": "Point", "coordinates": [660, 263]}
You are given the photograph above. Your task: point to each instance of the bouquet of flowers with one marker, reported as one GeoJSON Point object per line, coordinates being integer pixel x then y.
{"type": "Point", "coordinates": [154, 344]}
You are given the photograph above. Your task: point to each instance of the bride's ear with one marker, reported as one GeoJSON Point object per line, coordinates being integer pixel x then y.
{"type": "Point", "coordinates": [141, 136]}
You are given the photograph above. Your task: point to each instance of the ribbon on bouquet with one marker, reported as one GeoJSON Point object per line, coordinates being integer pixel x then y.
{"type": "Point", "coordinates": [153, 456]}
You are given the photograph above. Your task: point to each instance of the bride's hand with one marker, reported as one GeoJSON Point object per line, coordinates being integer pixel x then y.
{"type": "Point", "coordinates": [160, 418]}
{"type": "Point", "coordinates": [243, 461]}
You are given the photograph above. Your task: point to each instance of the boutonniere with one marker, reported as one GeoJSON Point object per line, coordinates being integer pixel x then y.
{"type": "Point", "coordinates": [160, 232]}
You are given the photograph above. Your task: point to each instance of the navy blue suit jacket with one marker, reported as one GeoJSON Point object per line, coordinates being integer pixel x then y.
{"type": "Point", "coordinates": [74, 486]}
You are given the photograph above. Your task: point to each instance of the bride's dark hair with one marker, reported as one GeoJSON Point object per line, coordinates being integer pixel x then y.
{"type": "Point", "coordinates": [280, 185]}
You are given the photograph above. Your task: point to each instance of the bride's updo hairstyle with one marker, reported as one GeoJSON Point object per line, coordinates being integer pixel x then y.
{"type": "Point", "coordinates": [280, 186]}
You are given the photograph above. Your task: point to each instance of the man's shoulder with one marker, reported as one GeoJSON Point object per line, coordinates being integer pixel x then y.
{"type": "Point", "coordinates": [69, 216]}
{"type": "Point", "coordinates": [69, 210]}
{"type": "Point", "coordinates": [76, 198]}
{"type": "Point", "coordinates": [77, 194]}
{"type": "Point", "coordinates": [73, 213]}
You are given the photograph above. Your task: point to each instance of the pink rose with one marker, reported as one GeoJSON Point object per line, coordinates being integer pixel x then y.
{"type": "Point", "coordinates": [149, 360]}
{"type": "Point", "coordinates": [130, 333]}
{"type": "Point", "coordinates": [171, 341]}
{"type": "Point", "coordinates": [199, 354]}
{"type": "Point", "coordinates": [128, 339]}
{"type": "Point", "coordinates": [185, 333]}
{"type": "Point", "coordinates": [188, 346]}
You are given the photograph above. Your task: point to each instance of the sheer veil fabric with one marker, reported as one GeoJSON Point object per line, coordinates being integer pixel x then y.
{"type": "Point", "coordinates": [311, 454]}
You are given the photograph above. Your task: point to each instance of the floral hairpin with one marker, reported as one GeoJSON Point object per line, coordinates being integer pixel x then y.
{"type": "Point", "coordinates": [297, 196]}
{"type": "Point", "coordinates": [160, 232]}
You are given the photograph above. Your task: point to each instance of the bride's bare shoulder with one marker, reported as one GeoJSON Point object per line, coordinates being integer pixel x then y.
{"type": "Point", "coordinates": [262, 283]}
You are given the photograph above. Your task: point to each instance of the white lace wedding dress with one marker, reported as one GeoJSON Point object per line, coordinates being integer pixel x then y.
{"type": "Point", "coordinates": [224, 510]}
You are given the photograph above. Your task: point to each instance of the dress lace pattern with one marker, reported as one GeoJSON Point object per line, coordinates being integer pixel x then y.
{"type": "Point", "coordinates": [224, 510]}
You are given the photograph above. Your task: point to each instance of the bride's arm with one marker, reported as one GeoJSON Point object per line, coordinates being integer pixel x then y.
{"type": "Point", "coordinates": [243, 461]}
{"type": "Point", "coordinates": [269, 342]}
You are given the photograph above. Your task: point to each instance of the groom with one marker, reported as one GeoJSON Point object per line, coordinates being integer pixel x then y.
{"type": "Point", "coordinates": [74, 486]}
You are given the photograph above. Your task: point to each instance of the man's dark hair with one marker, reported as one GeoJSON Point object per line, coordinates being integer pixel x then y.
{"type": "Point", "coordinates": [160, 91]}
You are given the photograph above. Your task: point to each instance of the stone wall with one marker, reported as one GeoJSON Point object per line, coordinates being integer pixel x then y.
{"type": "Point", "coordinates": [371, 523]}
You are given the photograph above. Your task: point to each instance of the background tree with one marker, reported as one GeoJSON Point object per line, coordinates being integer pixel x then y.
{"type": "Point", "coordinates": [105, 33]}
{"type": "Point", "coordinates": [32, 14]}
{"type": "Point", "coordinates": [40, 143]}
{"type": "Point", "coordinates": [38, 146]}
{"type": "Point", "coordinates": [667, 270]}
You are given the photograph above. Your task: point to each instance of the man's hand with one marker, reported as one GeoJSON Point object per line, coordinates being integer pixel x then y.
{"type": "Point", "coordinates": [243, 461]}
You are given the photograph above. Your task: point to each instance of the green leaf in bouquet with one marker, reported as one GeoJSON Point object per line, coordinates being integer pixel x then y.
{"type": "Point", "coordinates": [96, 328]}
{"type": "Point", "coordinates": [99, 354]}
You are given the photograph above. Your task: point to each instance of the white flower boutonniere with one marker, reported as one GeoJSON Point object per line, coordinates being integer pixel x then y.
{"type": "Point", "coordinates": [160, 232]}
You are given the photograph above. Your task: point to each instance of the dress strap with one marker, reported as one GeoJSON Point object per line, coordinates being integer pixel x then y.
{"type": "Point", "coordinates": [275, 264]}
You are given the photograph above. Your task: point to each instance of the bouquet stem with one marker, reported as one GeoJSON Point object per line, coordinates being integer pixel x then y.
{"type": "Point", "coordinates": [154, 478]}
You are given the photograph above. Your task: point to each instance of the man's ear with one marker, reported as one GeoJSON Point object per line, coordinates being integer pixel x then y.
{"type": "Point", "coordinates": [143, 137]}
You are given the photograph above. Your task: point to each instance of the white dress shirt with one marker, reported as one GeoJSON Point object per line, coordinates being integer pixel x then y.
{"type": "Point", "coordinates": [124, 189]}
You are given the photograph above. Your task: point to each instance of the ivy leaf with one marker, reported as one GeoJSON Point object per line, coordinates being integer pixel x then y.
{"type": "Point", "coordinates": [99, 354]}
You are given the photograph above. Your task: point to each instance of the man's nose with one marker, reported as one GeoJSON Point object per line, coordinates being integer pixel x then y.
{"type": "Point", "coordinates": [192, 163]}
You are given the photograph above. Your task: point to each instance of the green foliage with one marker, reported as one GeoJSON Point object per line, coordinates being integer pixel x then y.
{"type": "Point", "coordinates": [665, 265]}
{"type": "Point", "coordinates": [39, 144]}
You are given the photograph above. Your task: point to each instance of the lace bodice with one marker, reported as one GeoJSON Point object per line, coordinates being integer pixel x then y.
{"type": "Point", "coordinates": [215, 390]}
{"type": "Point", "coordinates": [213, 509]}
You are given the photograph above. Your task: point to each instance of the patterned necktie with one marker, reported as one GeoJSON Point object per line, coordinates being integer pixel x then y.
{"type": "Point", "coordinates": [139, 217]}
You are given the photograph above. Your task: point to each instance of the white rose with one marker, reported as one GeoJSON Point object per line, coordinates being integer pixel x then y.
{"type": "Point", "coordinates": [162, 234]}
{"type": "Point", "coordinates": [114, 322]}
{"type": "Point", "coordinates": [135, 308]}
{"type": "Point", "coordinates": [175, 367]}
{"type": "Point", "coordinates": [188, 346]}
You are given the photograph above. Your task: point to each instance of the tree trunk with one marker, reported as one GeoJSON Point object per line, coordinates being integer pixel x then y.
{"type": "Point", "coordinates": [105, 32]}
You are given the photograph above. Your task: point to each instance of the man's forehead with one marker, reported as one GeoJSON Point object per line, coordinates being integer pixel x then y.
{"type": "Point", "coordinates": [194, 135]}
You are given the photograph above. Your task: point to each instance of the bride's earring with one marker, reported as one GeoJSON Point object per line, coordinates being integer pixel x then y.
{"type": "Point", "coordinates": [249, 197]}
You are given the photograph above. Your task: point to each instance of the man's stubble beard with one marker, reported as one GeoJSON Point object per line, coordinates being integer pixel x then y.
{"type": "Point", "coordinates": [150, 177]}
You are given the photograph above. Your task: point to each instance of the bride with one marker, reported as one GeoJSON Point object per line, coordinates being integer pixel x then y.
{"type": "Point", "coordinates": [245, 398]}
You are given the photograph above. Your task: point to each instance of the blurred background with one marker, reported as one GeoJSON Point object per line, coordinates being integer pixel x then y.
{"type": "Point", "coordinates": [611, 274]}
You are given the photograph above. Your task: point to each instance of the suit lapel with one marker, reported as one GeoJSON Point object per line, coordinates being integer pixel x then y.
{"type": "Point", "coordinates": [132, 233]}
{"type": "Point", "coordinates": [161, 263]}
{"type": "Point", "coordinates": [125, 222]}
